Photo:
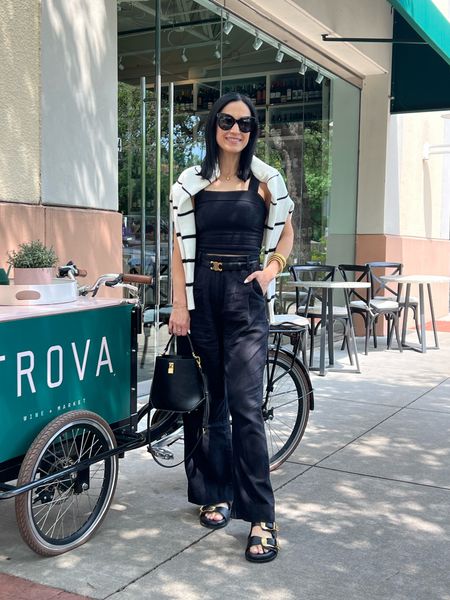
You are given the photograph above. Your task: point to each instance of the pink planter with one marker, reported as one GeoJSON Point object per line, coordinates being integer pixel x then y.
{"type": "Point", "coordinates": [33, 276]}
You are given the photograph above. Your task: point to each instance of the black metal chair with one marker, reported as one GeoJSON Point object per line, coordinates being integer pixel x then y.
{"type": "Point", "coordinates": [309, 304]}
{"type": "Point", "coordinates": [287, 294]}
{"type": "Point", "coordinates": [289, 325]}
{"type": "Point", "coordinates": [382, 290]}
{"type": "Point", "coordinates": [371, 309]}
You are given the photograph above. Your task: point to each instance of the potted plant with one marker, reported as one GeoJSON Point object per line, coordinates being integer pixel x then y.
{"type": "Point", "coordinates": [33, 263]}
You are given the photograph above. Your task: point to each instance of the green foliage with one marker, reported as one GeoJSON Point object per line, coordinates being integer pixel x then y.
{"type": "Point", "coordinates": [317, 174]}
{"type": "Point", "coordinates": [33, 255]}
{"type": "Point", "coordinates": [187, 144]}
{"type": "Point", "coordinates": [319, 250]}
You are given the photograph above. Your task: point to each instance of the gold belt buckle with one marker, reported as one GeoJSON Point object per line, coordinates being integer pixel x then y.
{"type": "Point", "coordinates": [216, 265]}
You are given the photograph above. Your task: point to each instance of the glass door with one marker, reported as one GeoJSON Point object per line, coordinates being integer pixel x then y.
{"type": "Point", "coordinates": [308, 128]}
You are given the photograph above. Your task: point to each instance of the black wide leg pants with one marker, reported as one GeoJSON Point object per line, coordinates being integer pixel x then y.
{"type": "Point", "coordinates": [229, 330]}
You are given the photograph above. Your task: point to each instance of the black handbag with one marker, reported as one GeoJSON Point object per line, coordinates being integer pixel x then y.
{"type": "Point", "coordinates": [179, 384]}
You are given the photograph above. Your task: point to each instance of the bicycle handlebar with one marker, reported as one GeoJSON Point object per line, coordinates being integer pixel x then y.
{"type": "Point", "coordinates": [110, 280]}
{"type": "Point", "coordinates": [71, 271]}
{"type": "Point", "coordinates": [132, 278]}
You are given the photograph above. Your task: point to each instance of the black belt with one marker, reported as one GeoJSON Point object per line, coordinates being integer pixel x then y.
{"type": "Point", "coordinates": [227, 263]}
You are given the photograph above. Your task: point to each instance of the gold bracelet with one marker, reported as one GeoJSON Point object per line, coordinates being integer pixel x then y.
{"type": "Point", "coordinates": [281, 257]}
{"type": "Point", "coordinates": [276, 258]}
{"type": "Point", "coordinates": [278, 261]}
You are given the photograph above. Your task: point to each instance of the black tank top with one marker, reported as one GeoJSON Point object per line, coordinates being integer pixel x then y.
{"type": "Point", "coordinates": [230, 222]}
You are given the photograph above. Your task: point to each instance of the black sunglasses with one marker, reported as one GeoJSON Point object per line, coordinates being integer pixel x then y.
{"type": "Point", "coordinates": [226, 122]}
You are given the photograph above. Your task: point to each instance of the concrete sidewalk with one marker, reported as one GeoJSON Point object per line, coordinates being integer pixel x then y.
{"type": "Point", "coordinates": [363, 506]}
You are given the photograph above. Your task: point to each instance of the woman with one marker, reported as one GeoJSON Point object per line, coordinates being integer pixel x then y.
{"type": "Point", "coordinates": [224, 212]}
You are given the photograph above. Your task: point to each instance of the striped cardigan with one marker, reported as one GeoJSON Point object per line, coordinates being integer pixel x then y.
{"type": "Point", "coordinates": [190, 183]}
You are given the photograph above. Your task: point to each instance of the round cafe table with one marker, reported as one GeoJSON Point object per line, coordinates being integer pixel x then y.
{"type": "Point", "coordinates": [326, 317]}
{"type": "Point", "coordinates": [420, 280]}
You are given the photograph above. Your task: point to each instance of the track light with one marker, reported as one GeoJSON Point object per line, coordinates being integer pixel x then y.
{"type": "Point", "coordinates": [217, 53]}
{"type": "Point", "coordinates": [257, 42]}
{"type": "Point", "coordinates": [120, 66]}
{"type": "Point", "coordinates": [280, 54]}
{"type": "Point", "coordinates": [319, 77]}
{"type": "Point", "coordinates": [302, 68]}
{"type": "Point", "coordinates": [184, 58]}
{"type": "Point", "coordinates": [228, 26]}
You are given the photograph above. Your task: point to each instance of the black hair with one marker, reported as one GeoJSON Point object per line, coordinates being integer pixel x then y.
{"type": "Point", "coordinates": [212, 154]}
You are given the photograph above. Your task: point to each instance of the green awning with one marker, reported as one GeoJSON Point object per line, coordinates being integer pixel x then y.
{"type": "Point", "coordinates": [420, 75]}
{"type": "Point", "coordinates": [428, 21]}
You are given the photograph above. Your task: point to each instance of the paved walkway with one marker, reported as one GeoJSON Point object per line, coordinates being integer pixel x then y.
{"type": "Point", "coordinates": [363, 506]}
{"type": "Point", "coordinates": [15, 588]}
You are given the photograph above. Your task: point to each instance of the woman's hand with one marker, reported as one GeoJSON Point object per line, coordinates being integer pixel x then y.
{"type": "Point", "coordinates": [180, 320]}
{"type": "Point", "coordinates": [263, 277]}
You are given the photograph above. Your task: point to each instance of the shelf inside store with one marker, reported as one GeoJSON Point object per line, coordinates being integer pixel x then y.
{"type": "Point", "coordinates": [285, 138]}
{"type": "Point", "coordinates": [315, 102]}
{"type": "Point", "coordinates": [259, 107]}
{"type": "Point", "coordinates": [206, 111]}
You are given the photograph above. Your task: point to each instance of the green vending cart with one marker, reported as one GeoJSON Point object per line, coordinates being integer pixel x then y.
{"type": "Point", "coordinates": [67, 402]}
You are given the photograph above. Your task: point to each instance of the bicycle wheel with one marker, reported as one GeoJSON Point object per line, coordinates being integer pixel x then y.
{"type": "Point", "coordinates": [61, 515]}
{"type": "Point", "coordinates": [285, 406]}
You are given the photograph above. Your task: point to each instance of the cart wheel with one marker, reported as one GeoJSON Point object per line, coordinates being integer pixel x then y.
{"type": "Point", "coordinates": [61, 515]}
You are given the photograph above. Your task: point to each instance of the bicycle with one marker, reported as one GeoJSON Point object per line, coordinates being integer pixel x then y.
{"type": "Point", "coordinates": [287, 400]}
{"type": "Point", "coordinates": [67, 473]}
{"type": "Point", "coordinates": [288, 395]}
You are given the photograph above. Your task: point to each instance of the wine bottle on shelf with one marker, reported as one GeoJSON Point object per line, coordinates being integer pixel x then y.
{"type": "Point", "coordinates": [278, 92]}
{"type": "Point", "coordinates": [307, 89]}
{"type": "Point", "coordinates": [298, 89]}
{"type": "Point", "coordinates": [272, 92]}
{"type": "Point", "coordinates": [212, 98]}
{"type": "Point", "coordinates": [259, 95]}
{"type": "Point", "coordinates": [289, 91]}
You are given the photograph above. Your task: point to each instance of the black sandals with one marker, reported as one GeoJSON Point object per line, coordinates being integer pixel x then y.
{"type": "Point", "coordinates": [225, 511]}
{"type": "Point", "coordinates": [269, 544]}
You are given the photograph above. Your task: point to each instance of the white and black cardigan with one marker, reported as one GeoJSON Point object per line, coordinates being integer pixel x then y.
{"type": "Point", "coordinates": [190, 183]}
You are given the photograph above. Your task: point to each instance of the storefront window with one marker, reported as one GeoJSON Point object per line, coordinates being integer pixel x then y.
{"type": "Point", "coordinates": [308, 121]}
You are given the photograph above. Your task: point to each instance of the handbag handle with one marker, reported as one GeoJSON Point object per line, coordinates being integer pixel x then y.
{"type": "Point", "coordinates": [195, 356]}
{"type": "Point", "coordinates": [206, 410]}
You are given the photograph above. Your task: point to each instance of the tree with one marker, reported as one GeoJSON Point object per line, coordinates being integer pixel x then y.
{"type": "Point", "coordinates": [187, 148]}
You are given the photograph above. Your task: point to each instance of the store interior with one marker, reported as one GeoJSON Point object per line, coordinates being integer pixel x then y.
{"type": "Point", "coordinates": [206, 51]}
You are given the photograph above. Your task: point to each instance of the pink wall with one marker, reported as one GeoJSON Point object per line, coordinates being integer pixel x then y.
{"type": "Point", "coordinates": [419, 256]}
{"type": "Point", "coordinates": [91, 238]}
